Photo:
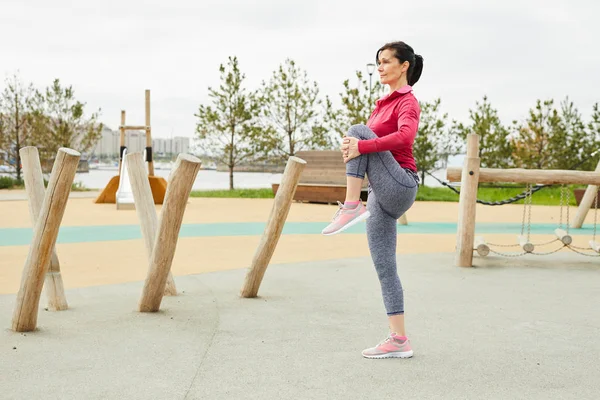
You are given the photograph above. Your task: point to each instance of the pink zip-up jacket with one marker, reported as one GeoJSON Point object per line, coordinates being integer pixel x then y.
{"type": "Point", "coordinates": [395, 121]}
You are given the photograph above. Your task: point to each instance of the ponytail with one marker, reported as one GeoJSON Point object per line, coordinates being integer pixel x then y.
{"type": "Point", "coordinates": [414, 71]}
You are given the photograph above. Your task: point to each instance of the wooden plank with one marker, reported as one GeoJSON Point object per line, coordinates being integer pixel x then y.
{"type": "Point", "coordinates": [519, 175]}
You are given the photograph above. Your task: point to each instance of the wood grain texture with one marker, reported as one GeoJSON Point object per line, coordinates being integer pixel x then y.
{"type": "Point", "coordinates": [275, 223]}
{"type": "Point", "coordinates": [45, 234]}
{"type": "Point", "coordinates": [146, 211]}
{"type": "Point", "coordinates": [181, 180]}
{"type": "Point", "coordinates": [34, 186]}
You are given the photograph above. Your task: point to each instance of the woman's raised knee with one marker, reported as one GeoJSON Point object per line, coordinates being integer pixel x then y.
{"type": "Point", "coordinates": [358, 131]}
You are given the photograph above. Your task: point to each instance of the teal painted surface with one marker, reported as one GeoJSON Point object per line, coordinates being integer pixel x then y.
{"type": "Point", "coordinates": [86, 234]}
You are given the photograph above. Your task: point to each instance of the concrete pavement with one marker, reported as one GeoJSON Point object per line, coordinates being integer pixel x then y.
{"type": "Point", "coordinates": [508, 329]}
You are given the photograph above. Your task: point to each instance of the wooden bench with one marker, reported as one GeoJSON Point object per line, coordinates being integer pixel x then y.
{"type": "Point", "coordinates": [323, 179]}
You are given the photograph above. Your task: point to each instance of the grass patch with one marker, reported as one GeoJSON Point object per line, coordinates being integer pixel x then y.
{"type": "Point", "coordinates": [235, 193]}
{"type": "Point", "coordinates": [7, 182]}
{"type": "Point", "coordinates": [549, 196]}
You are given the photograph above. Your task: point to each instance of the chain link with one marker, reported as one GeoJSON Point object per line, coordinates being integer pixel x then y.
{"type": "Point", "coordinates": [568, 206]}
{"type": "Point", "coordinates": [583, 254]}
{"type": "Point", "coordinates": [595, 212]}
{"type": "Point", "coordinates": [508, 255]}
{"type": "Point", "coordinates": [502, 245]}
{"type": "Point", "coordinates": [546, 243]}
{"type": "Point", "coordinates": [562, 199]}
{"type": "Point", "coordinates": [529, 198]}
{"type": "Point", "coordinates": [550, 252]}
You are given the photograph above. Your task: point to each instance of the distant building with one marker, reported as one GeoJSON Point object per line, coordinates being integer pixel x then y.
{"type": "Point", "coordinates": [108, 145]}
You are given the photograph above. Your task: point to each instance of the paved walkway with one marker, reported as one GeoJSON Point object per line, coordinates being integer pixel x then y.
{"type": "Point", "coordinates": [506, 330]}
{"type": "Point", "coordinates": [511, 328]}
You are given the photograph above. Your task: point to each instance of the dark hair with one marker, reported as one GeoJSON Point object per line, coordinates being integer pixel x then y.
{"type": "Point", "coordinates": [404, 52]}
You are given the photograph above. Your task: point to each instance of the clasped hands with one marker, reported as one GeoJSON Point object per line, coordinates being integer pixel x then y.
{"type": "Point", "coordinates": [349, 148]}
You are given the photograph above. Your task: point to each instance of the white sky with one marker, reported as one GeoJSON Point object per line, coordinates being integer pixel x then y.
{"type": "Point", "coordinates": [513, 51]}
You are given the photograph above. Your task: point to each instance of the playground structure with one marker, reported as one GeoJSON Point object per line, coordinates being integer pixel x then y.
{"type": "Point", "coordinates": [160, 233]}
{"type": "Point", "coordinates": [471, 174]}
{"type": "Point", "coordinates": [158, 185]}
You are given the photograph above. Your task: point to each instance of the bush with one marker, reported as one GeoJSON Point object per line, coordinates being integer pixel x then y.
{"type": "Point", "coordinates": [6, 182]}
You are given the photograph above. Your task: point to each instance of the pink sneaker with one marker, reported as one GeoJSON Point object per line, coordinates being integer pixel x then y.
{"type": "Point", "coordinates": [346, 217]}
{"type": "Point", "coordinates": [391, 347]}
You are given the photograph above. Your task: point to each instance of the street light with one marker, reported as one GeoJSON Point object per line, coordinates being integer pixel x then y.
{"type": "Point", "coordinates": [370, 70]}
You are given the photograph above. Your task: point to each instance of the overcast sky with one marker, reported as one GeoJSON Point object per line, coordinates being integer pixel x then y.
{"type": "Point", "coordinates": [513, 51]}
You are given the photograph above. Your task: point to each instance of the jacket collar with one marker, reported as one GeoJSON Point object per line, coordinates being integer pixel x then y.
{"type": "Point", "coordinates": [396, 93]}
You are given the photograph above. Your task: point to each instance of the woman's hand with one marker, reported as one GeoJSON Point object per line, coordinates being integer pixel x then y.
{"type": "Point", "coordinates": [350, 148]}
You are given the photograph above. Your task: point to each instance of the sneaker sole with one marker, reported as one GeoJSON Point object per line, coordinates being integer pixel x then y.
{"type": "Point", "coordinates": [355, 221]}
{"type": "Point", "coordinates": [403, 354]}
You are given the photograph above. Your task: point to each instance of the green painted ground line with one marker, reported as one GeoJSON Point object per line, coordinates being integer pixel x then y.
{"type": "Point", "coordinates": [88, 234]}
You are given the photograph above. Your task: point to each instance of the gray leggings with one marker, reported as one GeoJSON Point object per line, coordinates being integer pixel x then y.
{"type": "Point", "coordinates": [392, 191]}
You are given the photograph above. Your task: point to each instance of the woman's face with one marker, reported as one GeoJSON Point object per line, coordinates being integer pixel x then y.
{"type": "Point", "coordinates": [390, 69]}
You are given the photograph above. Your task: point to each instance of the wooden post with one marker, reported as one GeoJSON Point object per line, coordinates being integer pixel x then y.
{"type": "Point", "coordinates": [279, 212]}
{"type": "Point", "coordinates": [586, 203]}
{"type": "Point", "coordinates": [403, 220]}
{"type": "Point", "coordinates": [144, 205]}
{"type": "Point", "coordinates": [121, 139]}
{"type": "Point", "coordinates": [468, 203]}
{"type": "Point", "coordinates": [34, 186]}
{"type": "Point", "coordinates": [149, 136]}
{"type": "Point", "coordinates": [45, 234]}
{"type": "Point", "coordinates": [180, 185]}
{"type": "Point", "coordinates": [520, 175]}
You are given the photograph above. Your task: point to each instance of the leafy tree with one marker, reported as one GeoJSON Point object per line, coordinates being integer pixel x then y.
{"type": "Point", "coordinates": [576, 142]}
{"type": "Point", "coordinates": [495, 149]}
{"type": "Point", "coordinates": [291, 115]}
{"type": "Point", "coordinates": [553, 138]}
{"type": "Point", "coordinates": [227, 130]}
{"type": "Point", "coordinates": [533, 144]}
{"type": "Point", "coordinates": [357, 105]}
{"type": "Point", "coordinates": [58, 120]}
{"type": "Point", "coordinates": [15, 113]}
{"type": "Point", "coordinates": [434, 141]}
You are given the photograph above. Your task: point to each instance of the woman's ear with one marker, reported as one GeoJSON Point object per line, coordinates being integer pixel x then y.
{"type": "Point", "coordinates": [405, 66]}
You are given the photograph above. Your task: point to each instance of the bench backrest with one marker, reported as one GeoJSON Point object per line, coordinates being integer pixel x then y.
{"type": "Point", "coordinates": [323, 167]}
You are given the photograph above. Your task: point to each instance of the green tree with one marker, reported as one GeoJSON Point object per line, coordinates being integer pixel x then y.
{"type": "Point", "coordinates": [535, 140]}
{"type": "Point", "coordinates": [15, 113]}
{"type": "Point", "coordinates": [292, 113]}
{"type": "Point", "coordinates": [576, 142]}
{"type": "Point", "coordinates": [59, 120]}
{"type": "Point", "coordinates": [357, 105]}
{"type": "Point", "coordinates": [495, 149]}
{"type": "Point", "coordinates": [552, 138]}
{"type": "Point", "coordinates": [226, 130]}
{"type": "Point", "coordinates": [593, 127]}
{"type": "Point", "coordinates": [434, 141]}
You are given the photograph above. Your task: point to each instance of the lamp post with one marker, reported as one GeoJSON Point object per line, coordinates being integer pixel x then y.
{"type": "Point", "coordinates": [370, 70]}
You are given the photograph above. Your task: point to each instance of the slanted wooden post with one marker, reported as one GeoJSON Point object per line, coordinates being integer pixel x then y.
{"type": "Point", "coordinates": [144, 205]}
{"type": "Point", "coordinates": [586, 203]}
{"type": "Point", "coordinates": [149, 136]}
{"type": "Point", "coordinates": [180, 185]}
{"type": "Point", "coordinates": [467, 203]}
{"type": "Point", "coordinates": [403, 220]}
{"type": "Point", "coordinates": [275, 223]}
{"type": "Point", "coordinates": [121, 139]}
{"type": "Point", "coordinates": [34, 186]}
{"type": "Point", "coordinates": [45, 234]}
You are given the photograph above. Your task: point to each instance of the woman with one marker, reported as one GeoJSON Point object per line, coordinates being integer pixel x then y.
{"type": "Point", "coordinates": [383, 151]}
